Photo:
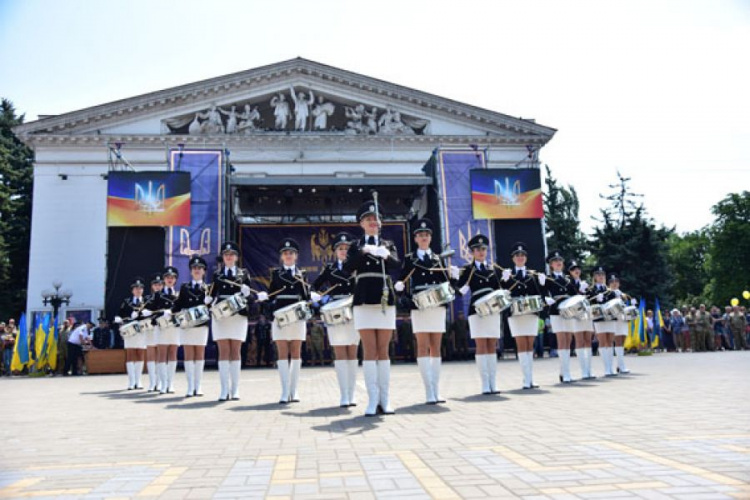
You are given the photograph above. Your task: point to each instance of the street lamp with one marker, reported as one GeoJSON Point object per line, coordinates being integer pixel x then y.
{"type": "Point", "coordinates": [56, 298]}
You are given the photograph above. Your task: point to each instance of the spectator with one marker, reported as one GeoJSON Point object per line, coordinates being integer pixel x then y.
{"type": "Point", "coordinates": [316, 343]}
{"type": "Point", "coordinates": [680, 333]}
{"type": "Point", "coordinates": [104, 336]}
{"type": "Point", "coordinates": [737, 325]}
{"type": "Point", "coordinates": [77, 339]}
{"type": "Point", "coordinates": [62, 346]}
{"type": "Point", "coordinates": [702, 340]}
{"type": "Point", "coordinates": [459, 336]}
{"type": "Point", "coordinates": [650, 326]}
{"type": "Point", "coordinates": [668, 342]}
{"type": "Point", "coordinates": [406, 339]}
{"type": "Point", "coordinates": [717, 323]}
{"type": "Point", "coordinates": [263, 336]}
{"type": "Point", "coordinates": [9, 336]}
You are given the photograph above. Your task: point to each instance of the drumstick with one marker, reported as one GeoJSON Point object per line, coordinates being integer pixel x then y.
{"type": "Point", "coordinates": [329, 290]}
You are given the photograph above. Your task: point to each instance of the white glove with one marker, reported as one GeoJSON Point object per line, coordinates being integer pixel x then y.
{"type": "Point", "coordinates": [262, 296]}
{"type": "Point", "coordinates": [600, 297]}
{"type": "Point", "coordinates": [118, 320]}
{"type": "Point", "coordinates": [167, 313]}
{"type": "Point", "coordinates": [464, 289]}
{"type": "Point", "coordinates": [542, 279]}
{"type": "Point", "coordinates": [369, 249]}
{"type": "Point", "coordinates": [146, 313]}
{"type": "Point", "coordinates": [315, 296]}
{"type": "Point", "coordinates": [134, 315]}
{"type": "Point", "coordinates": [506, 274]}
{"type": "Point", "coordinates": [245, 290]}
{"type": "Point", "coordinates": [549, 300]}
{"type": "Point", "coordinates": [633, 302]}
{"type": "Point", "coordinates": [399, 286]}
{"type": "Point", "coordinates": [584, 286]}
{"type": "Point", "coordinates": [454, 272]}
{"type": "Point", "coordinates": [382, 252]}
{"type": "Point", "coordinates": [618, 292]}
{"type": "Point", "coordinates": [208, 300]}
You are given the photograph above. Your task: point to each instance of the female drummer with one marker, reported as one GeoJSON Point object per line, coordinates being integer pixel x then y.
{"type": "Point", "coordinates": [424, 269]}
{"type": "Point", "coordinates": [167, 337]}
{"type": "Point", "coordinates": [582, 328]}
{"type": "Point", "coordinates": [135, 345]}
{"type": "Point", "coordinates": [344, 338]}
{"type": "Point", "coordinates": [193, 339]}
{"type": "Point", "coordinates": [557, 289]}
{"type": "Point", "coordinates": [288, 287]}
{"type": "Point", "coordinates": [374, 305]}
{"type": "Point", "coordinates": [621, 325]}
{"type": "Point", "coordinates": [230, 332]}
{"type": "Point", "coordinates": [480, 278]}
{"type": "Point", "coordinates": [524, 328]}
{"type": "Point", "coordinates": [154, 382]}
{"type": "Point", "coordinates": [605, 329]}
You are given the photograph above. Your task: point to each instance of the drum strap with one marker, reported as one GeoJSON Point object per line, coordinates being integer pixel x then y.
{"type": "Point", "coordinates": [295, 297]}
{"type": "Point", "coordinates": [370, 275]}
{"type": "Point", "coordinates": [482, 290]}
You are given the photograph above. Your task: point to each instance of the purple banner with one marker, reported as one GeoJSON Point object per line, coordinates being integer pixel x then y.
{"type": "Point", "coordinates": [260, 245]}
{"type": "Point", "coordinates": [204, 235]}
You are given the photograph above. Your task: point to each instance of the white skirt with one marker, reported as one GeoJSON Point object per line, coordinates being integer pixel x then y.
{"type": "Point", "coordinates": [605, 326]}
{"type": "Point", "coordinates": [293, 331]}
{"type": "Point", "coordinates": [560, 324]}
{"type": "Point", "coordinates": [371, 317]}
{"type": "Point", "coordinates": [231, 328]}
{"type": "Point", "coordinates": [167, 336]}
{"type": "Point", "coordinates": [135, 342]}
{"type": "Point", "coordinates": [485, 327]}
{"type": "Point", "coordinates": [430, 320]}
{"type": "Point", "coordinates": [344, 334]}
{"type": "Point", "coordinates": [583, 325]}
{"type": "Point", "coordinates": [526, 325]}
{"type": "Point", "coordinates": [152, 337]}
{"type": "Point", "coordinates": [621, 328]}
{"type": "Point", "coordinates": [194, 336]}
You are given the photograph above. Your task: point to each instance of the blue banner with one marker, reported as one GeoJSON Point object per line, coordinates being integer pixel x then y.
{"type": "Point", "coordinates": [204, 234]}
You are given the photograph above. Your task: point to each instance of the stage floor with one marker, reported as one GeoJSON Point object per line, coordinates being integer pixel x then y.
{"type": "Point", "coordinates": [677, 427]}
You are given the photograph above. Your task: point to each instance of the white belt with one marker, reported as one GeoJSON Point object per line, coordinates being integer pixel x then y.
{"type": "Point", "coordinates": [372, 275]}
{"type": "Point", "coordinates": [297, 297]}
{"type": "Point", "coordinates": [482, 290]}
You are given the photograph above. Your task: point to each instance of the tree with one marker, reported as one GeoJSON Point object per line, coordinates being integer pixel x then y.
{"type": "Point", "coordinates": [561, 218]}
{"type": "Point", "coordinates": [729, 259]}
{"type": "Point", "coordinates": [687, 256]}
{"type": "Point", "coordinates": [16, 174]}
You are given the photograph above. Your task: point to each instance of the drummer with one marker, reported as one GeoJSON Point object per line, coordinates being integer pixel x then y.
{"type": "Point", "coordinates": [168, 337]}
{"type": "Point", "coordinates": [424, 269]}
{"type": "Point", "coordinates": [521, 283]}
{"type": "Point", "coordinates": [372, 257]}
{"type": "Point", "coordinates": [344, 338]}
{"type": "Point", "coordinates": [583, 329]}
{"type": "Point", "coordinates": [557, 289]}
{"type": "Point", "coordinates": [479, 278]}
{"type": "Point", "coordinates": [193, 339]}
{"type": "Point", "coordinates": [135, 345]}
{"type": "Point", "coordinates": [621, 325]}
{"type": "Point", "coordinates": [288, 286]}
{"type": "Point", "coordinates": [229, 333]}
{"type": "Point", "coordinates": [154, 381]}
{"type": "Point", "coordinates": [605, 329]}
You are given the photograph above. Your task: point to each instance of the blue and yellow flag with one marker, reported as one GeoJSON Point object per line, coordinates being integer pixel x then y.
{"type": "Point", "coordinates": [52, 345]}
{"type": "Point", "coordinates": [658, 324]}
{"type": "Point", "coordinates": [642, 325]}
{"type": "Point", "coordinates": [21, 350]}
{"type": "Point", "coordinates": [40, 340]}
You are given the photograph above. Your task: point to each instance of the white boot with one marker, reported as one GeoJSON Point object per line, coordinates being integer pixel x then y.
{"type": "Point", "coordinates": [152, 379]}
{"type": "Point", "coordinates": [527, 364]}
{"type": "Point", "coordinates": [234, 374]}
{"type": "Point", "coordinates": [491, 363]}
{"type": "Point", "coordinates": [283, 366]}
{"type": "Point", "coordinates": [161, 373]}
{"type": "Point", "coordinates": [131, 378]}
{"type": "Point", "coordinates": [373, 391]}
{"type": "Point", "coordinates": [581, 355]}
{"type": "Point", "coordinates": [342, 375]}
{"type": "Point", "coordinates": [171, 370]}
{"type": "Point", "coordinates": [606, 360]}
{"type": "Point", "coordinates": [384, 386]}
{"type": "Point", "coordinates": [436, 365]}
{"type": "Point", "coordinates": [352, 382]}
{"type": "Point", "coordinates": [524, 371]}
{"type": "Point", "coordinates": [482, 367]}
{"type": "Point", "coordinates": [587, 355]}
{"type": "Point", "coordinates": [224, 380]}
{"type": "Point", "coordinates": [189, 375]}
{"type": "Point", "coordinates": [564, 355]}
{"type": "Point", "coordinates": [198, 376]}
{"type": "Point", "coordinates": [295, 366]}
{"type": "Point", "coordinates": [138, 366]}
{"type": "Point", "coordinates": [620, 351]}
{"type": "Point", "coordinates": [425, 369]}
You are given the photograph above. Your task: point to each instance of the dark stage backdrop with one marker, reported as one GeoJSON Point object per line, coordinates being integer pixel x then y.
{"type": "Point", "coordinates": [529, 231]}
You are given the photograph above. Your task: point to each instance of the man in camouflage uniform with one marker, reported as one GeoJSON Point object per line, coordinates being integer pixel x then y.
{"type": "Point", "coordinates": [316, 343]}
{"type": "Point", "coordinates": [704, 330]}
{"type": "Point", "coordinates": [737, 326]}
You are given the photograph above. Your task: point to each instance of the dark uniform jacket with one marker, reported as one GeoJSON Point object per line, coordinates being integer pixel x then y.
{"type": "Point", "coordinates": [593, 292]}
{"type": "Point", "coordinates": [480, 282]}
{"type": "Point", "coordinates": [127, 308]}
{"type": "Point", "coordinates": [333, 276]}
{"type": "Point", "coordinates": [522, 285]}
{"type": "Point", "coordinates": [293, 287]}
{"type": "Point", "coordinates": [424, 273]}
{"type": "Point", "coordinates": [368, 287]}
{"type": "Point", "coordinates": [189, 296]}
{"type": "Point", "coordinates": [159, 301]}
{"type": "Point", "coordinates": [559, 288]}
{"type": "Point", "coordinates": [224, 286]}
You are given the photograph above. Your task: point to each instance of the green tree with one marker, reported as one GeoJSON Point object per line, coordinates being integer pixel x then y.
{"type": "Point", "coordinates": [688, 261]}
{"type": "Point", "coordinates": [16, 174]}
{"type": "Point", "coordinates": [561, 219]}
{"type": "Point", "coordinates": [729, 258]}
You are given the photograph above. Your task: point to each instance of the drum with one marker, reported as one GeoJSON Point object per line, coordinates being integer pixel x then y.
{"type": "Point", "coordinates": [130, 329]}
{"type": "Point", "coordinates": [597, 312]}
{"type": "Point", "coordinates": [435, 296]}
{"type": "Point", "coordinates": [338, 312]}
{"type": "Point", "coordinates": [576, 307]}
{"type": "Point", "coordinates": [164, 322]}
{"type": "Point", "coordinates": [629, 313]}
{"type": "Point", "coordinates": [146, 325]}
{"type": "Point", "coordinates": [192, 317]}
{"type": "Point", "coordinates": [299, 311]}
{"type": "Point", "coordinates": [522, 306]}
{"type": "Point", "coordinates": [493, 303]}
{"type": "Point", "coordinates": [613, 309]}
{"type": "Point", "coordinates": [229, 306]}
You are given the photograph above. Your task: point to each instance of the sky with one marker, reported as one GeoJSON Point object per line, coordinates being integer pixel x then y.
{"type": "Point", "coordinates": [658, 90]}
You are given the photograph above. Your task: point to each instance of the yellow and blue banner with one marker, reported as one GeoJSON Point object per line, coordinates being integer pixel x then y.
{"type": "Point", "coordinates": [21, 350]}
{"type": "Point", "coordinates": [506, 193]}
{"type": "Point", "coordinates": [148, 199]}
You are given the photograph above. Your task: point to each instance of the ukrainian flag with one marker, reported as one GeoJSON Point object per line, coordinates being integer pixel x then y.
{"type": "Point", "coordinates": [658, 324]}
{"type": "Point", "coordinates": [21, 351]}
{"type": "Point", "coordinates": [52, 345]}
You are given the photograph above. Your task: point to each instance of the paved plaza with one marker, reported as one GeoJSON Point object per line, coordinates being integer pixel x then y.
{"type": "Point", "coordinates": [677, 427]}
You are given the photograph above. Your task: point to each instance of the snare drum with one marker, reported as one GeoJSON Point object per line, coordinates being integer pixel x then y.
{"type": "Point", "coordinates": [338, 312]}
{"type": "Point", "coordinates": [164, 322]}
{"type": "Point", "coordinates": [597, 312]}
{"type": "Point", "coordinates": [493, 303]}
{"type": "Point", "coordinates": [629, 313]}
{"type": "Point", "coordinates": [146, 325]}
{"type": "Point", "coordinates": [435, 296]}
{"type": "Point", "coordinates": [229, 307]}
{"type": "Point", "coordinates": [130, 329]}
{"type": "Point", "coordinates": [613, 309]}
{"type": "Point", "coordinates": [523, 306]}
{"type": "Point", "coordinates": [299, 311]}
{"type": "Point", "coordinates": [192, 317]}
{"type": "Point", "coordinates": [576, 307]}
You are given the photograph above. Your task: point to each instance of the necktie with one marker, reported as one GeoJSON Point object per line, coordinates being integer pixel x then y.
{"type": "Point", "coordinates": [519, 275]}
{"type": "Point", "coordinates": [230, 274]}
{"type": "Point", "coordinates": [482, 267]}
{"type": "Point", "coordinates": [371, 240]}
{"type": "Point", "coordinates": [196, 287]}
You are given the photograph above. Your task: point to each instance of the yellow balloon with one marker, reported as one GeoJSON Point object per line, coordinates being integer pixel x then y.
{"type": "Point", "coordinates": [746, 294]}
{"type": "Point", "coordinates": [735, 301]}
